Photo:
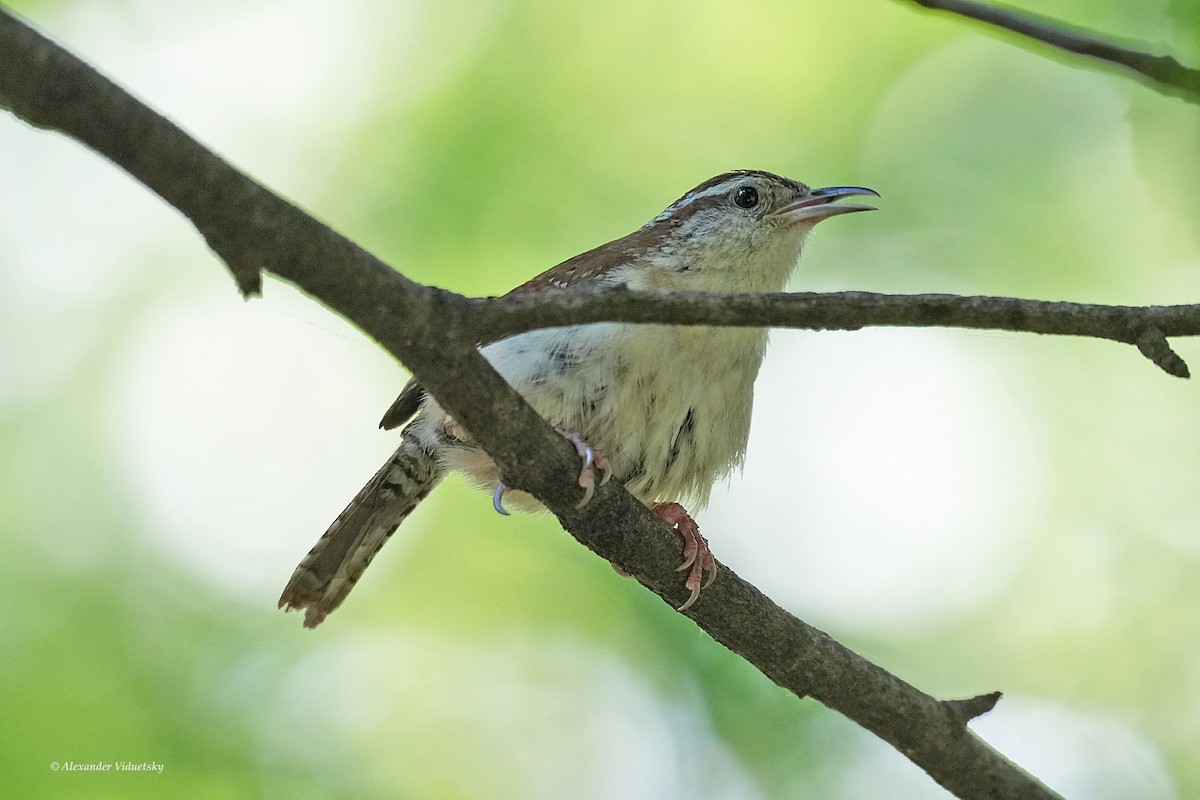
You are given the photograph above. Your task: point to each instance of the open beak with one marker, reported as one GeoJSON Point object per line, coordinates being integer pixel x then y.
{"type": "Point", "coordinates": [818, 204]}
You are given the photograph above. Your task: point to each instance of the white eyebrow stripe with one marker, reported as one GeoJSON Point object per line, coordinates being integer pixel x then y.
{"type": "Point", "coordinates": [717, 189]}
{"type": "Point", "coordinates": [720, 188]}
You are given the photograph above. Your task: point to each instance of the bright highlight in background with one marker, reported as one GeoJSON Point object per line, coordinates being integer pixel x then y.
{"type": "Point", "coordinates": [891, 482]}
{"type": "Point", "coordinates": [280, 388]}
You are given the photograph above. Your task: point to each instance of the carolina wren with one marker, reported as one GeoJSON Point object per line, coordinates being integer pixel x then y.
{"type": "Point", "coordinates": [668, 407]}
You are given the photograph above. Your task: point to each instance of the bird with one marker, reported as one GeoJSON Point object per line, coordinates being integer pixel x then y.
{"type": "Point", "coordinates": [663, 409]}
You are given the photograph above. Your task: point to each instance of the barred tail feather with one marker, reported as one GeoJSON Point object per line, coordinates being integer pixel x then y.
{"type": "Point", "coordinates": [327, 574]}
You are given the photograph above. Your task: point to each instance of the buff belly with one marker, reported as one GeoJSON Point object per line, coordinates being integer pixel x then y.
{"type": "Point", "coordinates": [669, 407]}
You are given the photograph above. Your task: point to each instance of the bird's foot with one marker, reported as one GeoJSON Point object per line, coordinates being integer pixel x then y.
{"type": "Point", "coordinates": [697, 557]}
{"type": "Point", "coordinates": [593, 462]}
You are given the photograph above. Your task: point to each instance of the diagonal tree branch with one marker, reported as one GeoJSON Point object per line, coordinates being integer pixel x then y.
{"type": "Point", "coordinates": [432, 332]}
{"type": "Point", "coordinates": [1164, 73]}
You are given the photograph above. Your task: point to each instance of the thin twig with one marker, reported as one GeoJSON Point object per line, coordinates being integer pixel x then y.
{"type": "Point", "coordinates": [1163, 72]}
{"type": "Point", "coordinates": [1144, 326]}
{"type": "Point", "coordinates": [966, 710]}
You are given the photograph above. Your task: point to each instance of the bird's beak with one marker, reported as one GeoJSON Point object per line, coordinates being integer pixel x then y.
{"type": "Point", "coordinates": [818, 204]}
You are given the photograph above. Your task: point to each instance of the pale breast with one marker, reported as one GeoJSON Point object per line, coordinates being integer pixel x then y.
{"type": "Point", "coordinates": [669, 407]}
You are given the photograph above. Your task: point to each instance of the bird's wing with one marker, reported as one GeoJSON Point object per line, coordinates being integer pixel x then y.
{"type": "Point", "coordinates": [576, 271]}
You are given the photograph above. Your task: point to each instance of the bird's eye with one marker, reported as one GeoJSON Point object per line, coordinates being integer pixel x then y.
{"type": "Point", "coordinates": [746, 197]}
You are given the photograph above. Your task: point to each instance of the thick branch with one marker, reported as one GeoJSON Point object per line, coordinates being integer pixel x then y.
{"type": "Point", "coordinates": [1162, 72]}
{"type": "Point", "coordinates": [1144, 326]}
{"type": "Point", "coordinates": [429, 331]}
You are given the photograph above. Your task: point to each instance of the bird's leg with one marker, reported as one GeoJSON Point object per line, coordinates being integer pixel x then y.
{"type": "Point", "coordinates": [593, 461]}
{"type": "Point", "coordinates": [697, 558]}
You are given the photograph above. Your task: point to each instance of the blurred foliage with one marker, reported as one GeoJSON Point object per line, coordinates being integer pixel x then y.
{"type": "Point", "coordinates": [1186, 16]}
{"type": "Point", "coordinates": [471, 145]}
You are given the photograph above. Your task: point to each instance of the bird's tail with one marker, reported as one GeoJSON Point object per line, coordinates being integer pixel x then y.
{"type": "Point", "coordinates": [327, 574]}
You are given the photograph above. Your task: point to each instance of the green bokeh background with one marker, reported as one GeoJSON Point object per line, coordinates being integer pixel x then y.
{"type": "Point", "coordinates": [167, 452]}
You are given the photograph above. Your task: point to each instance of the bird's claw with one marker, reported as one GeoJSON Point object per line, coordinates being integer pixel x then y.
{"type": "Point", "coordinates": [697, 557]}
{"type": "Point", "coordinates": [498, 499]}
{"type": "Point", "coordinates": [593, 461]}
